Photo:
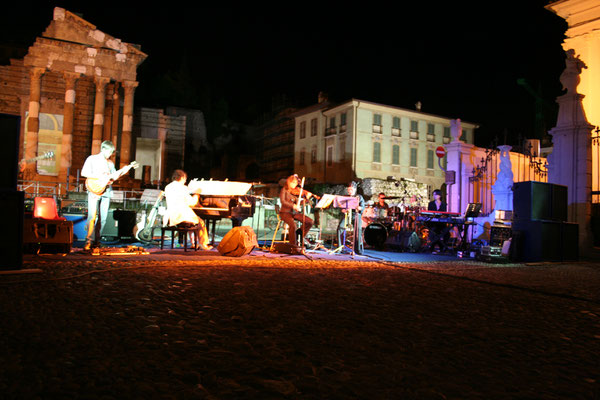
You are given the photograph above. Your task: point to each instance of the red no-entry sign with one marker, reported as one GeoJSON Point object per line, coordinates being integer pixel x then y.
{"type": "Point", "coordinates": [440, 152]}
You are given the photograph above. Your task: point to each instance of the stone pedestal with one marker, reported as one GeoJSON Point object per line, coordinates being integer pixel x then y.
{"type": "Point", "coordinates": [570, 163]}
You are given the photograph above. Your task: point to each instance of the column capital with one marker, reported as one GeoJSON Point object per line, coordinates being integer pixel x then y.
{"type": "Point", "coordinates": [36, 72]}
{"type": "Point", "coordinates": [101, 82]}
{"type": "Point", "coordinates": [129, 84]}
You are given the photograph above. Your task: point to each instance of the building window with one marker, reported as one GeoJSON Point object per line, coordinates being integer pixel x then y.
{"type": "Point", "coordinates": [377, 123]}
{"type": "Point", "coordinates": [430, 159]}
{"type": "Point", "coordinates": [413, 156]}
{"type": "Point", "coordinates": [330, 156]}
{"type": "Point", "coordinates": [313, 155]}
{"type": "Point", "coordinates": [302, 156]}
{"type": "Point", "coordinates": [414, 129]}
{"type": "Point", "coordinates": [430, 133]}
{"type": "Point", "coordinates": [342, 150]}
{"type": "Point", "coordinates": [302, 129]}
{"type": "Point", "coordinates": [396, 126]}
{"type": "Point", "coordinates": [396, 154]}
{"type": "Point", "coordinates": [331, 129]}
{"type": "Point", "coordinates": [342, 122]}
{"type": "Point", "coordinates": [377, 119]}
{"type": "Point", "coordinates": [446, 138]}
{"type": "Point", "coordinates": [376, 152]}
{"type": "Point", "coordinates": [313, 127]}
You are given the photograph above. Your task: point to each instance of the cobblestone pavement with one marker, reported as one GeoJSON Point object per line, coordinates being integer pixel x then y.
{"type": "Point", "coordinates": [202, 326]}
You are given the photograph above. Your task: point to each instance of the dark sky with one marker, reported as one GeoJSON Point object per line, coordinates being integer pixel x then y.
{"type": "Point", "coordinates": [460, 61]}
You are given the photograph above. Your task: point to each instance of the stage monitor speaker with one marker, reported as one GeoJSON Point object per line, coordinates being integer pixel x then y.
{"type": "Point", "coordinates": [10, 128]}
{"type": "Point", "coordinates": [542, 201]}
{"type": "Point", "coordinates": [238, 242]}
{"type": "Point", "coordinates": [11, 246]}
{"type": "Point", "coordinates": [545, 241]}
{"type": "Point", "coordinates": [570, 241]}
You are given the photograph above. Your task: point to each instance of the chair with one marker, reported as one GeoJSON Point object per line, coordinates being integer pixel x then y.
{"type": "Point", "coordinates": [45, 208]}
{"type": "Point", "coordinates": [182, 228]}
{"type": "Point", "coordinates": [285, 230]}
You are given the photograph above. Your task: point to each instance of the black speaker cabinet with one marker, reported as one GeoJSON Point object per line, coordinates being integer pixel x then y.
{"type": "Point", "coordinates": [10, 126]}
{"type": "Point", "coordinates": [545, 241]}
{"type": "Point", "coordinates": [11, 245]}
{"type": "Point", "coordinates": [539, 201]}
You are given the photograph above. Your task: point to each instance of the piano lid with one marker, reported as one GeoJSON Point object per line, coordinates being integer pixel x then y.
{"type": "Point", "coordinates": [218, 188]}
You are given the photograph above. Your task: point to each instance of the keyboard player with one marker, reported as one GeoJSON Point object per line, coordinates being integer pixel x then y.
{"type": "Point", "coordinates": [437, 204]}
{"type": "Point", "coordinates": [179, 206]}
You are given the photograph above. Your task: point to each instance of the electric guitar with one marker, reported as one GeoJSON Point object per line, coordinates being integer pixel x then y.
{"type": "Point", "coordinates": [48, 154]}
{"type": "Point", "coordinates": [98, 185]}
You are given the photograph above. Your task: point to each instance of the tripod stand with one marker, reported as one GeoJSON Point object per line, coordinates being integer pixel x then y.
{"type": "Point", "coordinates": [349, 227]}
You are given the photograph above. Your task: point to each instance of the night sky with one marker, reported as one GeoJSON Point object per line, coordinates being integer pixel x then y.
{"type": "Point", "coordinates": [459, 61]}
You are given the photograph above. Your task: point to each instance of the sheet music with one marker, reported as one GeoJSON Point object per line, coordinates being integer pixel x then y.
{"type": "Point", "coordinates": [325, 201]}
{"type": "Point", "coordinates": [222, 188]}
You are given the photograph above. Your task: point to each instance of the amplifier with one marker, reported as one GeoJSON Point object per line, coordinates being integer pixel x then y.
{"type": "Point", "coordinates": [499, 234]}
{"type": "Point", "coordinates": [47, 235]}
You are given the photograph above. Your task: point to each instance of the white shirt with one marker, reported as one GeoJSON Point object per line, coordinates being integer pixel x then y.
{"type": "Point", "coordinates": [96, 166]}
{"type": "Point", "coordinates": [179, 202]}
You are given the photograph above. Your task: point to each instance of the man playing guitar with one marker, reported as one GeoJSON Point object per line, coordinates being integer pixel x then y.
{"type": "Point", "coordinates": [99, 169]}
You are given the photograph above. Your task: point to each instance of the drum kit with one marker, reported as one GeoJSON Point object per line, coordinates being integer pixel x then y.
{"type": "Point", "coordinates": [383, 223]}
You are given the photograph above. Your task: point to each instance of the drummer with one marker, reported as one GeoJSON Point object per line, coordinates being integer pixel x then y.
{"type": "Point", "coordinates": [381, 203]}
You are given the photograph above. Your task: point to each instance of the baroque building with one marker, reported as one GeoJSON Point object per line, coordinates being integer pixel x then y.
{"type": "Point", "coordinates": [362, 139]}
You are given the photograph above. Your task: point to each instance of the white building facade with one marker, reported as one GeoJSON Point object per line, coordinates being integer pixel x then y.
{"type": "Point", "coordinates": [361, 139]}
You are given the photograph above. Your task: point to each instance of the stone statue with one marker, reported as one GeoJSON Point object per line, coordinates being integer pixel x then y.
{"type": "Point", "coordinates": [455, 129]}
{"type": "Point", "coordinates": [502, 189]}
{"type": "Point", "coordinates": [570, 77]}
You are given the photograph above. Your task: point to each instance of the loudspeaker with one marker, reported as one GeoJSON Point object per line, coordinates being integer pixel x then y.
{"type": "Point", "coordinates": [47, 235]}
{"type": "Point", "coordinates": [111, 228]}
{"type": "Point", "coordinates": [545, 240]}
{"type": "Point", "coordinates": [11, 246]}
{"type": "Point", "coordinates": [126, 222]}
{"type": "Point", "coordinates": [570, 241]}
{"type": "Point", "coordinates": [539, 201]}
{"type": "Point", "coordinates": [238, 242]}
{"type": "Point", "coordinates": [10, 126]}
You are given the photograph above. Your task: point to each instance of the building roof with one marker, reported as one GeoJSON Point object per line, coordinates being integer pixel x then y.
{"type": "Point", "coordinates": [328, 106]}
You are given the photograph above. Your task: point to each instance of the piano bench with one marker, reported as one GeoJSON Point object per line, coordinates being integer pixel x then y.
{"type": "Point", "coordinates": [181, 229]}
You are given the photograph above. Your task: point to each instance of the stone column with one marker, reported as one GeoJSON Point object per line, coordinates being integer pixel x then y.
{"type": "Point", "coordinates": [68, 117]}
{"type": "Point", "coordinates": [129, 88]}
{"type": "Point", "coordinates": [99, 105]}
{"type": "Point", "coordinates": [115, 114]}
{"type": "Point", "coordinates": [33, 122]}
{"type": "Point", "coordinates": [459, 160]}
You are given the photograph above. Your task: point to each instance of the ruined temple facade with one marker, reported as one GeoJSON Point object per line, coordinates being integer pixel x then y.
{"type": "Point", "coordinates": [73, 90]}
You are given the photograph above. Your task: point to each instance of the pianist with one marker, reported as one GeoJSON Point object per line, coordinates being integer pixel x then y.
{"type": "Point", "coordinates": [437, 204]}
{"type": "Point", "coordinates": [179, 206]}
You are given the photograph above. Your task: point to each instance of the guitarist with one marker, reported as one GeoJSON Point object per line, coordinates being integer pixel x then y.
{"type": "Point", "coordinates": [99, 166]}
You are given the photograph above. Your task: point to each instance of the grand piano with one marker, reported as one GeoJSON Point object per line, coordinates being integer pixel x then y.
{"type": "Point", "coordinates": [222, 199]}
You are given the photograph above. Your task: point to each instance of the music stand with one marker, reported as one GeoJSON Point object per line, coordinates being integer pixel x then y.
{"type": "Point", "coordinates": [348, 203]}
{"type": "Point", "coordinates": [472, 211]}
